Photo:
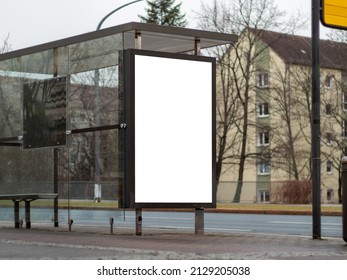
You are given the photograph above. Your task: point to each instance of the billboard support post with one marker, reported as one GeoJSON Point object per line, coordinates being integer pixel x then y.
{"type": "Point", "coordinates": [199, 221]}
{"type": "Point", "coordinates": [138, 217]}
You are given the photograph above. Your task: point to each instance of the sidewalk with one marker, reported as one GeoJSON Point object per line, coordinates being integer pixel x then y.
{"type": "Point", "coordinates": [88, 243]}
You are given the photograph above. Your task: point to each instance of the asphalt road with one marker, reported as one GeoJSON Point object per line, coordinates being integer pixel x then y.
{"type": "Point", "coordinates": [238, 223]}
{"type": "Point", "coordinates": [92, 244]}
{"type": "Point", "coordinates": [170, 236]}
{"type": "Point", "coordinates": [184, 221]}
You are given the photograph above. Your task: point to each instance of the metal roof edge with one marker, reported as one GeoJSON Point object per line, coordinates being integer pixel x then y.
{"type": "Point", "coordinates": [126, 27]}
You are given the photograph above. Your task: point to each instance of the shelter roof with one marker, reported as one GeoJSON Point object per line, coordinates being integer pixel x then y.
{"type": "Point", "coordinates": [154, 37]}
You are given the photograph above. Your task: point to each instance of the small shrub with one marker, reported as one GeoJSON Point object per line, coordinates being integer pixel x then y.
{"type": "Point", "coordinates": [292, 192]}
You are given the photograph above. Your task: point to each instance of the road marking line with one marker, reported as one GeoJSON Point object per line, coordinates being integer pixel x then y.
{"type": "Point", "coordinates": [228, 229]}
{"type": "Point", "coordinates": [206, 228]}
{"type": "Point", "coordinates": [302, 223]}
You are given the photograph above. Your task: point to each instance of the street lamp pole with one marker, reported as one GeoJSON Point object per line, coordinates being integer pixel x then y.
{"type": "Point", "coordinates": [97, 185]}
{"type": "Point", "coordinates": [115, 10]}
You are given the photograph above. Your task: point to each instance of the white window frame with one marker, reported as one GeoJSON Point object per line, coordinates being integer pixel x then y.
{"type": "Point", "coordinates": [329, 81]}
{"type": "Point", "coordinates": [263, 138]}
{"type": "Point", "coordinates": [264, 167]}
{"type": "Point", "coordinates": [263, 109]}
{"type": "Point", "coordinates": [330, 195]}
{"type": "Point", "coordinates": [330, 138]}
{"type": "Point", "coordinates": [344, 101]}
{"type": "Point", "coordinates": [263, 80]}
{"type": "Point", "coordinates": [344, 129]}
{"type": "Point", "coordinates": [330, 167]}
{"type": "Point", "coordinates": [264, 196]}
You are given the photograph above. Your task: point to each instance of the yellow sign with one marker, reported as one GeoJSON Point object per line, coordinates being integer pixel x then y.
{"type": "Point", "coordinates": [334, 13]}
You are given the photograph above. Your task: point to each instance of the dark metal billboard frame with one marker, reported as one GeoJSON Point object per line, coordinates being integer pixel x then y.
{"type": "Point", "coordinates": [130, 124]}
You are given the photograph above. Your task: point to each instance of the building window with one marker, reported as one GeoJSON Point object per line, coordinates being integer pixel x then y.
{"type": "Point", "coordinates": [329, 167]}
{"type": "Point", "coordinates": [344, 101]}
{"type": "Point", "coordinates": [263, 109]}
{"type": "Point", "coordinates": [328, 110]}
{"type": "Point", "coordinates": [330, 138]}
{"type": "Point", "coordinates": [263, 80]}
{"type": "Point", "coordinates": [263, 138]}
{"type": "Point", "coordinates": [264, 168]}
{"type": "Point", "coordinates": [330, 195]}
{"type": "Point", "coordinates": [329, 81]}
{"type": "Point", "coordinates": [264, 196]}
{"type": "Point", "coordinates": [344, 129]}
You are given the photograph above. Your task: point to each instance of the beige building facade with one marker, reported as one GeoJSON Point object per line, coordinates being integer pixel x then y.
{"type": "Point", "coordinates": [278, 150]}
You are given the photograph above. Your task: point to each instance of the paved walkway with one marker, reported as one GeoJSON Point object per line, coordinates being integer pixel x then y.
{"type": "Point", "coordinates": [87, 243]}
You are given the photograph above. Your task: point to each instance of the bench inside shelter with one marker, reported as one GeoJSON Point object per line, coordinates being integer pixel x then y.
{"type": "Point", "coordinates": [27, 198]}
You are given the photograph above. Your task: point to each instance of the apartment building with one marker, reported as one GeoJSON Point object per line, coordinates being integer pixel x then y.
{"type": "Point", "coordinates": [278, 145]}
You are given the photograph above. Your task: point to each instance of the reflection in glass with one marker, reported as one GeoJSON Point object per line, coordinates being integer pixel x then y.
{"type": "Point", "coordinates": [44, 113]}
{"type": "Point", "coordinates": [94, 98]}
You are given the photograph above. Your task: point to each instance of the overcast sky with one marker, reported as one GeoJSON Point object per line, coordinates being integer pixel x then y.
{"type": "Point", "coordinates": [32, 22]}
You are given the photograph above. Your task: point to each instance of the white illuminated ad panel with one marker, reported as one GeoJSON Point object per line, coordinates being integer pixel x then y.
{"type": "Point", "coordinates": [173, 103]}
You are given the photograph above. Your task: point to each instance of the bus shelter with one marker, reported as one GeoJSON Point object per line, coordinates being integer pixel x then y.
{"type": "Point", "coordinates": [67, 118]}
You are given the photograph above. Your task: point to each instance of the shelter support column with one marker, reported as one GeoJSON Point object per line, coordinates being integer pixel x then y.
{"type": "Point", "coordinates": [55, 187]}
{"type": "Point", "coordinates": [138, 41]}
{"type": "Point", "coordinates": [55, 151]}
{"type": "Point", "coordinates": [138, 211]}
{"type": "Point", "coordinates": [16, 213]}
{"type": "Point", "coordinates": [344, 197]}
{"type": "Point", "coordinates": [197, 46]}
{"type": "Point", "coordinates": [199, 212]}
{"type": "Point", "coordinates": [27, 214]}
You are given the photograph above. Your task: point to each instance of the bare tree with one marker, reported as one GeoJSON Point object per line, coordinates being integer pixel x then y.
{"type": "Point", "coordinates": [7, 110]}
{"type": "Point", "coordinates": [340, 142]}
{"type": "Point", "coordinates": [292, 122]}
{"type": "Point", "coordinates": [337, 35]}
{"type": "Point", "coordinates": [246, 19]}
{"type": "Point", "coordinates": [5, 46]}
{"type": "Point", "coordinates": [334, 128]}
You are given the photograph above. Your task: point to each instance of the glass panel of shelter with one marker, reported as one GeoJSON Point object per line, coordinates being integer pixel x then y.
{"type": "Point", "coordinates": [10, 98]}
{"type": "Point", "coordinates": [92, 153]}
{"type": "Point", "coordinates": [93, 177]}
{"type": "Point", "coordinates": [24, 171]}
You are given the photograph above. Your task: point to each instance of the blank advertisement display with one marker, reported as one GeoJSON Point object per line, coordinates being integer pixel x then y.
{"type": "Point", "coordinates": [170, 130]}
